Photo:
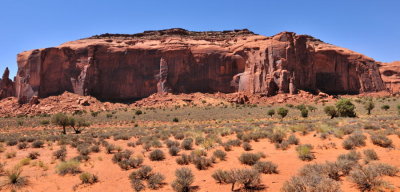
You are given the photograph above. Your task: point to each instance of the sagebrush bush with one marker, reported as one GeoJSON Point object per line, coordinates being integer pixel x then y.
{"type": "Point", "coordinates": [33, 155]}
{"type": "Point", "coordinates": [68, 167]}
{"type": "Point", "coordinates": [370, 155]}
{"type": "Point", "coordinates": [369, 178]}
{"type": "Point", "coordinates": [88, 178]}
{"type": "Point", "coordinates": [249, 158]}
{"type": "Point", "coordinates": [353, 141]}
{"type": "Point", "coordinates": [183, 159]}
{"type": "Point", "coordinates": [157, 155]}
{"type": "Point", "coordinates": [187, 144]}
{"type": "Point", "coordinates": [311, 183]}
{"type": "Point", "coordinates": [184, 178]}
{"type": "Point", "coordinates": [266, 167]}
{"type": "Point", "coordinates": [381, 140]}
{"type": "Point", "coordinates": [304, 152]}
{"type": "Point", "coordinates": [246, 146]}
{"type": "Point", "coordinates": [221, 155]}
{"type": "Point", "coordinates": [22, 145]}
{"type": "Point", "coordinates": [221, 176]}
{"type": "Point", "coordinates": [202, 163]}
{"type": "Point", "coordinates": [293, 140]}
{"type": "Point", "coordinates": [156, 181]}
{"type": "Point", "coordinates": [173, 150]}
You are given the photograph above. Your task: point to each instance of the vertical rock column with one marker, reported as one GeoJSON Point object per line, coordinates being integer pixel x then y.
{"type": "Point", "coordinates": [162, 85]}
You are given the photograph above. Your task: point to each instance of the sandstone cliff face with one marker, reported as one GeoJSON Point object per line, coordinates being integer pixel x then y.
{"type": "Point", "coordinates": [7, 88]}
{"type": "Point", "coordinates": [390, 73]}
{"type": "Point", "coordinates": [113, 66]}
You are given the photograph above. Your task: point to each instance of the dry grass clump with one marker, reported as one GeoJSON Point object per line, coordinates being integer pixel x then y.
{"type": "Point", "coordinates": [381, 140]}
{"type": "Point", "coordinates": [88, 178]}
{"type": "Point", "coordinates": [353, 141]}
{"type": "Point", "coordinates": [68, 167]}
{"type": "Point", "coordinates": [305, 152]}
{"type": "Point", "coordinates": [249, 158]}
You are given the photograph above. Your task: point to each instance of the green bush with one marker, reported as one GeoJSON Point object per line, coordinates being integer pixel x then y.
{"type": "Point", "coordinates": [282, 112]}
{"type": "Point", "coordinates": [385, 107]}
{"type": "Point", "coordinates": [345, 108]}
{"type": "Point", "coordinates": [331, 111]}
{"type": "Point", "coordinates": [369, 105]}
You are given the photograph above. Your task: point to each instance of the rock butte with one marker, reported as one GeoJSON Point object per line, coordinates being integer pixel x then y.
{"type": "Point", "coordinates": [390, 73]}
{"type": "Point", "coordinates": [121, 66]}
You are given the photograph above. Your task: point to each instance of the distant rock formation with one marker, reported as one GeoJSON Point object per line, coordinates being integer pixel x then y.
{"type": "Point", "coordinates": [120, 66]}
{"type": "Point", "coordinates": [7, 88]}
{"type": "Point", "coordinates": [390, 73]}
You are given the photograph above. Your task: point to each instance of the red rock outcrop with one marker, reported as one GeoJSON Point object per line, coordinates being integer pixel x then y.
{"type": "Point", "coordinates": [7, 88]}
{"type": "Point", "coordinates": [390, 73]}
{"type": "Point", "coordinates": [118, 66]}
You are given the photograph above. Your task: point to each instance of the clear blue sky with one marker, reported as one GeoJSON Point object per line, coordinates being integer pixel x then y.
{"type": "Point", "coordinates": [371, 27]}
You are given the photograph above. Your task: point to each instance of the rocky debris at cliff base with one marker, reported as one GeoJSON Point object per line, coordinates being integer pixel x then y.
{"type": "Point", "coordinates": [66, 102]}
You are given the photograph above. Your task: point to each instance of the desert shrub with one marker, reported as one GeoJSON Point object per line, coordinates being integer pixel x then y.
{"type": "Point", "coordinates": [370, 155]}
{"type": "Point", "coordinates": [266, 167]}
{"type": "Point", "coordinates": [61, 153]}
{"type": "Point", "coordinates": [381, 140]}
{"type": "Point", "coordinates": [155, 181]}
{"type": "Point", "coordinates": [14, 177]}
{"type": "Point", "coordinates": [304, 113]}
{"type": "Point", "coordinates": [221, 176]}
{"type": "Point", "coordinates": [68, 167]}
{"type": "Point", "coordinates": [304, 152]}
{"type": "Point", "coordinates": [187, 144]}
{"type": "Point", "coordinates": [311, 183]}
{"type": "Point", "coordinates": [293, 140]}
{"type": "Point", "coordinates": [79, 125]}
{"type": "Point", "coordinates": [119, 156]}
{"type": "Point", "coordinates": [179, 136]}
{"type": "Point", "coordinates": [12, 142]}
{"type": "Point", "coordinates": [44, 122]}
{"type": "Point", "coordinates": [11, 154]}
{"type": "Point", "coordinates": [183, 159]}
{"type": "Point", "coordinates": [184, 178]}
{"type": "Point", "coordinates": [173, 151]}
{"type": "Point", "coordinates": [175, 119]}
{"type": "Point", "coordinates": [283, 145]}
{"type": "Point", "coordinates": [110, 148]}
{"type": "Point", "coordinates": [157, 155]}
{"type": "Point", "coordinates": [385, 107]}
{"type": "Point", "coordinates": [353, 141]}
{"type": "Point", "coordinates": [331, 111]}
{"type": "Point", "coordinates": [271, 112]}
{"type": "Point", "coordinates": [345, 108]}
{"type": "Point", "coordinates": [33, 155]}
{"type": "Point", "coordinates": [131, 144]}
{"type": "Point", "coordinates": [351, 156]}
{"type": "Point", "coordinates": [132, 162]}
{"type": "Point", "coordinates": [249, 178]}
{"type": "Point", "coordinates": [249, 158]}
{"type": "Point", "coordinates": [137, 184]}
{"type": "Point", "coordinates": [278, 135]}
{"type": "Point", "coordinates": [88, 178]}
{"type": "Point", "coordinates": [95, 148]}
{"type": "Point", "coordinates": [22, 145]}
{"type": "Point", "coordinates": [202, 163]}
{"type": "Point", "coordinates": [282, 112]}
{"type": "Point", "coordinates": [369, 178]}
{"type": "Point", "coordinates": [234, 142]}
{"type": "Point", "coordinates": [221, 155]}
{"type": "Point", "coordinates": [246, 146]}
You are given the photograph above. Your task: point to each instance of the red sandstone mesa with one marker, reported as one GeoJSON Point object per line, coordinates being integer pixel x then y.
{"type": "Point", "coordinates": [118, 66]}
{"type": "Point", "coordinates": [390, 73]}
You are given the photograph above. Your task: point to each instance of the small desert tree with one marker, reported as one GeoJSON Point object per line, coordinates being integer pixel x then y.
{"type": "Point", "coordinates": [282, 112]}
{"type": "Point", "coordinates": [345, 108]}
{"type": "Point", "coordinates": [62, 120]}
{"type": "Point", "coordinates": [271, 112]}
{"type": "Point", "coordinates": [79, 125]}
{"type": "Point", "coordinates": [369, 105]}
{"type": "Point", "coordinates": [331, 111]}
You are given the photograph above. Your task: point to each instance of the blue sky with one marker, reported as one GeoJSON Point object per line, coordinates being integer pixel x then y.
{"type": "Point", "coordinates": [371, 27]}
